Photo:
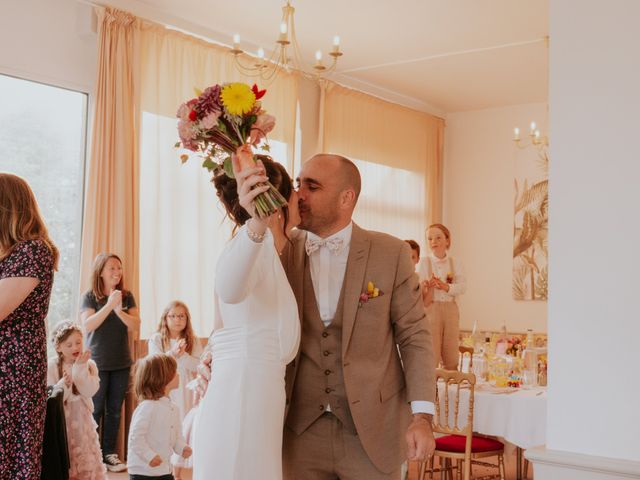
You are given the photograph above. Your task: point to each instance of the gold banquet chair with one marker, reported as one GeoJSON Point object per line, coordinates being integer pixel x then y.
{"type": "Point", "coordinates": [457, 444]}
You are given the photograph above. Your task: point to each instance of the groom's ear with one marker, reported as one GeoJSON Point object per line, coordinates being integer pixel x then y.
{"type": "Point", "coordinates": [348, 199]}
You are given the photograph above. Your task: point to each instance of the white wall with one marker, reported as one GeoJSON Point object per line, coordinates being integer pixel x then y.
{"type": "Point", "coordinates": [478, 186]}
{"type": "Point", "coordinates": [594, 319]}
{"type": "Point", "coordinates": [50, 42]}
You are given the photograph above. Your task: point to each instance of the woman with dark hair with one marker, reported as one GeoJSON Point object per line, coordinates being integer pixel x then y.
{"type": "Point", "coordinates": [256, 333]}
{"type": "Point", "coordinates": [28, 258]}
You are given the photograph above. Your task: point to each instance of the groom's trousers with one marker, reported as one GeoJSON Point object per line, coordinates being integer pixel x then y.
{"type": "Point", "coordinates": [328, 451]}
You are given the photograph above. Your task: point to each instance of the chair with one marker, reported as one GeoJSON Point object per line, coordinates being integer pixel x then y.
{"type": "Point", "coordinates": [465, 351]}
{"type": "Point", "coordinates": [459, 444]}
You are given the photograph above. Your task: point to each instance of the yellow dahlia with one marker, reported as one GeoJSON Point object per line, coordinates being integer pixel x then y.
{"type": "Point", "coordinates": [237, 98]}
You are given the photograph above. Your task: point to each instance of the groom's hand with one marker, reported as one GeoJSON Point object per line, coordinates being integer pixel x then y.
{"type": "Point", "coordinates": [204, 373]}
{"type": "Point", "coordinates": [420, 441]}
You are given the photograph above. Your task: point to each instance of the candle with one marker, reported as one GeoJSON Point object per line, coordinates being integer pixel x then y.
{"type": "Point", "coordinates": [236, 41]}
{"type": "Point", "coordinates": [533, 128]}
{"type": "Point", "coordinates": [336, 44]}
{"type": "Point", "coordinates": [516, 133]}
{"type": "Point", "coordinates": [318, 56]}
{"type": "Point", "coordinates": [283, 27]}
{"type": "Point", "coordinates": [261, 53]}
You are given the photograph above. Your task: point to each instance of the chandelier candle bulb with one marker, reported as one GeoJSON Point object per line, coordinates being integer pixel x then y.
{"type": "Point", "coordinates": [261, 53]}
{"type": "Point", "coordinates": [533, 128]}
{"type": "Point", "coordinates": [516, 133]}
{"type": "Point", "coordinates": [283, 28]}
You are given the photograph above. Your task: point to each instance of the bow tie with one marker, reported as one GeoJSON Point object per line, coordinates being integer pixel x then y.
{"type": "Point", "coordinates": [334, 245]}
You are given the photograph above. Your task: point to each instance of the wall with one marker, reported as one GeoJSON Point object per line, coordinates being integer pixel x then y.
{"type": "Point", "coordinates": [478, 186]}
{"type": "Point", "coordinates": [594, 323]}
{"type": "Point", "coordinates": [49, 42]}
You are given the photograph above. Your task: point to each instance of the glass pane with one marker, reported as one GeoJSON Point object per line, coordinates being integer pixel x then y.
{"type": "Point", "coordinates": [42, 139]}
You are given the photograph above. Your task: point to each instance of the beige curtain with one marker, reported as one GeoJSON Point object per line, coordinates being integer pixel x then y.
{"type": "Point", "coordinates": [111, 214]}
{"type": "Point", "coordinates": [399, 153]}
{"type": "Point", "coordinates": [111, 219]}
{"type": "Point", "coordinates": [183, 229]}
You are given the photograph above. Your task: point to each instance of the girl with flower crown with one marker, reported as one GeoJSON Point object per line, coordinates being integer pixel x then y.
{"type": "Point", "coordinates": [72, 371]}
{"type": "Point", "coordinates": [443, 280]}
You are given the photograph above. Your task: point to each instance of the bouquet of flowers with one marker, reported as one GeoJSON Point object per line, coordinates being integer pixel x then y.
{"type": "Point", "coordinates": [219, 121]}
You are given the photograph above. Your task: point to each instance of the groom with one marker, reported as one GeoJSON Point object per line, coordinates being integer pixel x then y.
{"type": "Point", "coordinates": [360, 392]}
{"type": "Point", "coordinates": [350, 398]}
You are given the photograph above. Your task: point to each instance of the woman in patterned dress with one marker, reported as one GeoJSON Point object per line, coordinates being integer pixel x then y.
{"type": "Point", "coordinates": [28, 258]}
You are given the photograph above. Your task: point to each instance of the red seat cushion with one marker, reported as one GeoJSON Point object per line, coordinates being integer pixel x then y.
{"type": "Point", "coordinates": [455, 443]}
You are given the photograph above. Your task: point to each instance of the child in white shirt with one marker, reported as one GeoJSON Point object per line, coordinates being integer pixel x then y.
{"type": "Point", "coordinates": [156, 430]}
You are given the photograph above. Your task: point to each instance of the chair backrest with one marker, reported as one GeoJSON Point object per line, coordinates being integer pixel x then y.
{"type": "Point", "coordinates": [465, 351]}
{"type": "Point", "coordinates": [450, 385]}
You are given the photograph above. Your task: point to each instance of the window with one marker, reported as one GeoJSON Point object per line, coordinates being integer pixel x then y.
{"type": "Point", "coordinates": [42, 139]}
{"type": "Point", "coordinates": [183, 229]}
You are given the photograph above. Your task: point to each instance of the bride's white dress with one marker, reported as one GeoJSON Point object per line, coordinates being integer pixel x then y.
{"type": "Point", "coordinates": [238, 434]}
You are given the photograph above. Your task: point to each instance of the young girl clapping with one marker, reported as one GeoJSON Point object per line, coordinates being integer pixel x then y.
{"type": "Point", "coordinates": [175, 337]}
{"type": "Point", "coordinates": [155, 427]}
{"type": "Point", "coordinates": [72, 370]}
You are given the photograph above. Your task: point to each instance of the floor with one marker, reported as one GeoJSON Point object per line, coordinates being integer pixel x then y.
{"type": "Point", "coordinates": [510, 465]}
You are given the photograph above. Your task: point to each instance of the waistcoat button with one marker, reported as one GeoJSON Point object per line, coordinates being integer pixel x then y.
{"type": "Point", "coordinates": [327, 372]}
{"type": "Point", "coordinates": [327, 353]}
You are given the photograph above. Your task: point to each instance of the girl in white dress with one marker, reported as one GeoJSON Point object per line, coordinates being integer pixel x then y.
{"type": "Point", "coordinates": [256, 333]}
{"type": "Point", "coordinates": [175, 337]}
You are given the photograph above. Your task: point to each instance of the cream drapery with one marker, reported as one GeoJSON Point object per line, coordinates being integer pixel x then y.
{"type": "Point", "coordinates": [183, 230]}
{"type": "Point", "coordinates": [399, 153]}
{"type": "Point", "coordinates": [111, 214]}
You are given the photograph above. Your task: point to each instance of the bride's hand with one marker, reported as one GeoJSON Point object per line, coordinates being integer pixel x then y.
{"type": "Point", "coordinates": [248, 179]}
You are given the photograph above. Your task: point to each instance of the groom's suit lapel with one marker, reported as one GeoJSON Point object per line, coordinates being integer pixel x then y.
{"type": "Point", "coordinates": [354, 281]}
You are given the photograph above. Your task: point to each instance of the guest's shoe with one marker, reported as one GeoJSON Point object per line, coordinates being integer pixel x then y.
{"type": "Point", "coordinates": [113, 463]}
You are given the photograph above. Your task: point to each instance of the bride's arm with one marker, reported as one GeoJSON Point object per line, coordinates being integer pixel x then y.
{"type": "Point", "coordinates": [237, 270]}
{"type": "Point", "coordinates": [237, 267]}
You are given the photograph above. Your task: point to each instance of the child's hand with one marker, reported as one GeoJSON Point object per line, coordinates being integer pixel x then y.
{"type": "Point", "coordinates": [67, 379]}
{"type": "Point", "coordinates": [155, 461]}
{"type": "Point", "coordinates": [180, 348]}
{"type": "Point", "coordinates": [83, 357]}
{"type": "Point", "coordinates": [186, 452]}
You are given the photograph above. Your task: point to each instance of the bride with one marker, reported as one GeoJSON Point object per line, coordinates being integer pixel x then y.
{"type": "Point", "coordinates": [256, 333]}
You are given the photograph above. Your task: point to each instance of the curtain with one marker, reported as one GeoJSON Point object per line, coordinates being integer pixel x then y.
{"type": "Point", "coordinates": [399, 154]}
{"type": "Point", "coordinates": [183, 226]}
{"type": "Point", "coordinates": [111, 214]}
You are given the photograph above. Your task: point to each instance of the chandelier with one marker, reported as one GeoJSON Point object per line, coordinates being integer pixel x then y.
{"type": "Point", "coordinates": [285, 56]}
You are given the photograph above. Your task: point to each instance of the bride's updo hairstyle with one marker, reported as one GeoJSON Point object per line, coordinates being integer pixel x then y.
{"type": "Point", "coordinates": [227, 190]}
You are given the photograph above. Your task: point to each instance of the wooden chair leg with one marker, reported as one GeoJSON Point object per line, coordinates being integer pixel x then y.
{"type": "Point", "coordinates": [422, 470]}
{"type": "Point", "coordinates": [467, 469]}
{"type": "Point", "coordinates": [501, 466]}
{"type": "Point", "coordinates": [458, 469]}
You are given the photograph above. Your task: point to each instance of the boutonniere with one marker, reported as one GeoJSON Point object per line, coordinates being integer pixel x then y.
{"type": "Point", "coordinates": [372, 292]}
{"type": "Point", "coordinates": [449, 278]}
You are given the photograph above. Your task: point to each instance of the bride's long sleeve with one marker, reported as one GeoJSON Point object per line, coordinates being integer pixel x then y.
{"type": "Point", "coordinates": [238, 268]}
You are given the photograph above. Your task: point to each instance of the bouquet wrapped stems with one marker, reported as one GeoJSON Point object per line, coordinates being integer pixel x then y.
{"type": "Point", "coordinates": [269, 202]}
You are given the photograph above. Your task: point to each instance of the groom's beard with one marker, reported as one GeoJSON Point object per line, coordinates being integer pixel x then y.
{"type": "Point", "coordinates": [318, 221]}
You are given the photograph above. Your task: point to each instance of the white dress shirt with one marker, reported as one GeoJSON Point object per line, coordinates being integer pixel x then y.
{"type": "Point", "coordinates": [327, 275]}
{"type": "Point", "coordinates": [155, 430]}
{"type": "Point", "coordinates": [442, 267]}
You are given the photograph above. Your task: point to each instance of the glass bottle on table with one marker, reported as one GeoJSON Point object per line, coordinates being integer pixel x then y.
{"type": "Point", "coordinates": [530, 359]}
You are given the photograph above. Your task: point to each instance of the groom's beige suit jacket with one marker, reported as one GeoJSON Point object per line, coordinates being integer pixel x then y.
{"type": "Point", "coordinates": [385, 353]}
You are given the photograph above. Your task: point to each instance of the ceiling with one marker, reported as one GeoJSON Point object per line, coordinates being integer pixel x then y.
{"type": "Point", "coordinates": [438, 56]}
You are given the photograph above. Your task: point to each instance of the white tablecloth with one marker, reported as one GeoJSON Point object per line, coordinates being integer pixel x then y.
{"type": "Point", "coordinates": [519, 418]}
